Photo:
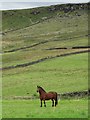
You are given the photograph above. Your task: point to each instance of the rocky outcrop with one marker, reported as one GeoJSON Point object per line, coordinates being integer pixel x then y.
{"type": "Point", "coordinates": [68, 7]}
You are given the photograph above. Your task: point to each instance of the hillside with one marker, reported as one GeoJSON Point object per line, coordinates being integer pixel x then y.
{"type": "Point", "coordinates": [54, 27]}
{"type": "Point", "coordinates": [27, 27]}
{"type": "Point", "coordinates": [25, 18]}
{"type": "Point", "coordinates": [39, 35]}
{"type": "Point", "coordinates": [45, 46]}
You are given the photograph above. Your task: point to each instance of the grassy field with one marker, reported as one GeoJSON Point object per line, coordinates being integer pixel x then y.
{"type": "Point", "coordinates": [26, 40]}
{"type": "Point", "coordinates": [67, 73]}
{"type": "Point", "coordinates": [32, 109]}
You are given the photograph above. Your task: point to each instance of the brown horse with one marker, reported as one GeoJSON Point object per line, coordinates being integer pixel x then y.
{"type": "Point", "coordinates": [47, 96]}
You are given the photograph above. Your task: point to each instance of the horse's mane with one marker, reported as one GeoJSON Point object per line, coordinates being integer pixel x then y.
{"type": "Point", "coordinates": [41, 88]}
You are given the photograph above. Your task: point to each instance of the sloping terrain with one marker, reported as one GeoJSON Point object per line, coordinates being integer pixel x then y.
{"type": "Point", "coordinates": [66, 27]}
{"type": "Point", "coordinates": [39, 35]}
{"type": "Point", "coordinates": [46, 46]}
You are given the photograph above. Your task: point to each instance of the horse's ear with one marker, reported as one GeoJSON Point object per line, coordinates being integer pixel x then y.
{"type": "Point", "coordinates": [38, 86]}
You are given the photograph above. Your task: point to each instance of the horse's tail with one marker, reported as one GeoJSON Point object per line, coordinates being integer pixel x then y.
{"type": "Point", "coordinates": [56, 100]}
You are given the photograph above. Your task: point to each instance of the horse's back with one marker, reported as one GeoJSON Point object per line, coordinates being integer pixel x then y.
{"type": "Point", "coordinates": [52, 94]}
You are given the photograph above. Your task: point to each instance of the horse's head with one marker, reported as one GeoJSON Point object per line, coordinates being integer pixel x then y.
{"type": "Point", "coordinates": [38, 88]}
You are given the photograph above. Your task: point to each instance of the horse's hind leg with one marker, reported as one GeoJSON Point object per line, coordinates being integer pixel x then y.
{"type": "Point", "coordinates": [44, 104]}
{"type": "Point", "coordinates": [52, 103]}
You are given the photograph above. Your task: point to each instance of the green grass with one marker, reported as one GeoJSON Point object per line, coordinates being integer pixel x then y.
{"type": "Point", "coordinates": [31, 109]}
{"type": "Point", "coordinates": [67, 73]}
{"type": "Point", "coordinates": [15, 58]}
{"type": "Point", "coordinates": [24, 18]}
{"type": "Point", "coordinates": [55, 28]}
{"type": "Point", "coordinates": [62, 74]}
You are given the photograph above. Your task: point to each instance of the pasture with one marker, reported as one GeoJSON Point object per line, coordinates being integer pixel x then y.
{"type": "Point", "coordinates": [31, 109]}
{"type": "Point", "coordinates": [61, 67]}
{"type": "Point", "coordinates": [68, 73]}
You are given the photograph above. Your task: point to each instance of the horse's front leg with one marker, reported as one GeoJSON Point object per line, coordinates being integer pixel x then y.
{"type": "Point", "coordinates": [52, 103]}
{"type": "Point", "coordinates": [41, 103]}
{"type": "Point", "coordinates": [44, 104]}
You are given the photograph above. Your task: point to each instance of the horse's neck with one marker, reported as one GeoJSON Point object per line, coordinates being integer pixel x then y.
{"type": "Point", "coordinates": [42, 92]}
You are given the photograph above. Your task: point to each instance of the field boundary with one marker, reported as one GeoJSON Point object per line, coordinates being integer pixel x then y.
{"type": "Point", "coordinates": [43, 42]}
{"type": "Point", "coordinates": [78, 94]}
{"type": "Point", "coordinates": [17, 49]}
{"type": "Point", "coordinates": [43, 59]}
{"type": "Point", "coordinates": [76, 47]}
